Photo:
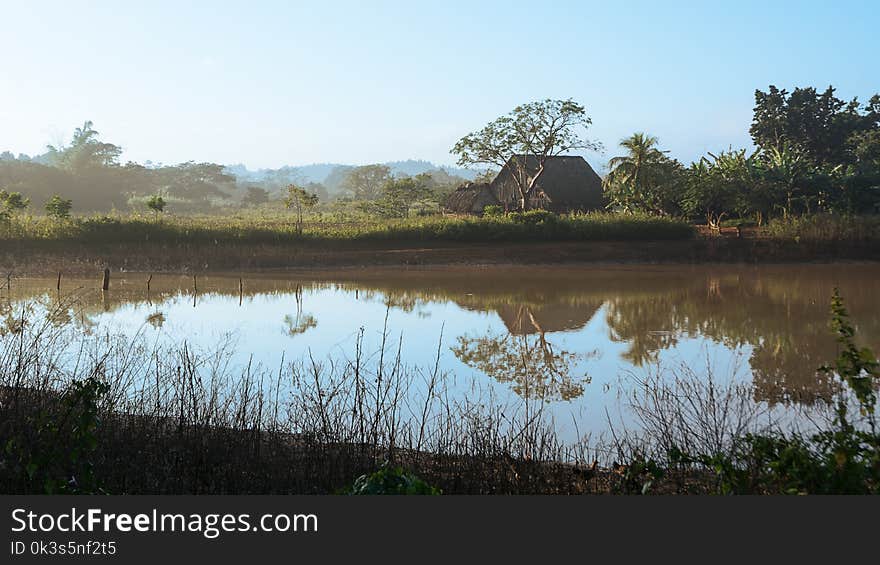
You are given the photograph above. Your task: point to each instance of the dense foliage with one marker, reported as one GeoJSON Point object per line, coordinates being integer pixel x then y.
{"type": "Point", "coordinates": [814, 153]}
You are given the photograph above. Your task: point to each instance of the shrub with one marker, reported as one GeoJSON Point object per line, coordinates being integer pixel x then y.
{"type": "Point", "coordinates": [58, 207]}
{"type": "Point", "coordinates": [533, 217]}
{"type": "Point", "coordinates": [391, 481]}
{"type": "Point", "coordinates": [493, 210]}
{"type": "Point", "coordinates": [53, 452]}
{"type": "Point", "coordinates": [157, 204]}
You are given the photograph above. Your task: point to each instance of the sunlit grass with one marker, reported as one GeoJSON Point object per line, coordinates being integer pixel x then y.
{"type": "Point", "coordinates": [277, 228]}
{"type": "Point", "coordinates": [826, 227]}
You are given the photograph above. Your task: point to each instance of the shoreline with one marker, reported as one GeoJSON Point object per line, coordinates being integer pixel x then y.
{"type": "Point", "coordinates": [45, 258]}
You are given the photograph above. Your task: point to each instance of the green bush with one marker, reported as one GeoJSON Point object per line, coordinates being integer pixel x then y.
{"type": "Point", "coordinates": [53, 452]}
{"type": "Point", "coordinates": [533, 217]}
{"type": "Point", "coordinates": [391, 481]}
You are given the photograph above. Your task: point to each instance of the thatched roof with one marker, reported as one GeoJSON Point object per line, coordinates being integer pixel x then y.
{"type": "Point", "coordinates": [471, 198]}
{"type": "Point", "coordinates": [568, 182]}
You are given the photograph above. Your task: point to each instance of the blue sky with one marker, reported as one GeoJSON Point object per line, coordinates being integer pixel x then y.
{"type": "Point", "coordinates": [273, 83]}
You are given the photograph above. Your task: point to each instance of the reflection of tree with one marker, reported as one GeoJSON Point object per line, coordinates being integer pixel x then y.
{"type": "Point", "coordinates": [529, 362]}
{"type": "Point", "coordinates": [645, 324]}
{"type": "Point", "coordinates": [301, 323]}
{"type": "Point", "coordinates": [404, 301]}
{"type": "Point", "coordinates": [156, 319]}
{"type": "Point", "coordinates": [782, 319]}
{"type": "Point", "coordinates": [784, 369]}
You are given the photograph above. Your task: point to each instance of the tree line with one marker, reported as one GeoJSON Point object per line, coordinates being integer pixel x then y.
{"type": "Point", "coordinates": [88, 174]}
{"type": "Point", "coordinates": [813, 153]}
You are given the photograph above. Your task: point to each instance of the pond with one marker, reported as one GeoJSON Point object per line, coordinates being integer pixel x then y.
{"type": "Point", "coordinates": [579, 339]}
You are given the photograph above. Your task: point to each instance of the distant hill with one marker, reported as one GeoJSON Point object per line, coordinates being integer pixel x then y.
{"type": "Point", "coordinates": [322, 172]}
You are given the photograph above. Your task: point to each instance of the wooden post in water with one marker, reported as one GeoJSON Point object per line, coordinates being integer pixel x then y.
{"type": "Point", "coordinates": [240, 291]}
{"type": "Point", "coordinates": [105, 284]}
{"type": "Point", "coordinates": [195, 291]}
{"type": "Point", "coordinates": [58, 285]}
{"type": "Point", "coordinates": [150, 278]}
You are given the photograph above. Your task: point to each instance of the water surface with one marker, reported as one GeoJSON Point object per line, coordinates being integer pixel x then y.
{"type": "Point", "coordinates": [581, 339]}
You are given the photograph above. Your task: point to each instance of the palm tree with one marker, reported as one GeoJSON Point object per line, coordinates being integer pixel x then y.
{"type": "Point", "coordinates": [632, 177]}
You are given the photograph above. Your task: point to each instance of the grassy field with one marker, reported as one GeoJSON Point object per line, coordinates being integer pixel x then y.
{"type": "Point", "coordinates": [535, 226]}
{"type": "Point", "coordinates": [250, 241]}
{"type": "Point", "coordinates": [273, 229]}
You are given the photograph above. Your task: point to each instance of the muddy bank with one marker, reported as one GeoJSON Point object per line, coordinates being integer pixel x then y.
{"type": "Point", "coordinates": [50, 257]}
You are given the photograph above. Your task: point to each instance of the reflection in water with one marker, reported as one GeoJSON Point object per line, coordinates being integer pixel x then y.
{"type": "Point", "coordinates": [536, 331]}
{"type": "Point", "coordinates": [299, 324]}
{"type": "Point", "coordinates": [156, 319]}
{"type": "Point", "coordinates": [530, 364]}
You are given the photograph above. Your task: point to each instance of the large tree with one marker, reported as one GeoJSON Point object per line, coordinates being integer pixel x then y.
{"type": "Point", "coordinates": [365, 183]}
{"type": "Point", "coordinates": [819, 126]}
{"type": "Point", "coordinates": [85, 151]}
{"type": "Point", "coordinates": [194, 181]}
{"type": "Point", "coordinates": [542, 129]}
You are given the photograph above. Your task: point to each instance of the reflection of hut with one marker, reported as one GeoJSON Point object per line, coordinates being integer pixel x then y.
{"type": "Point", "coordinates": [471, 198]}
{"type": "Point", "coordinates": [524, 320]}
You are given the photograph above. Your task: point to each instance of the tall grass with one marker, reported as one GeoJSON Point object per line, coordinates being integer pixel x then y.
{"type": "Point", "coordinates": [256, 229]}
{"type": "Point", "coordinates": [825, 227]}
{"type": "Point", "coordinates": [173, 420]}
{"type": "Point", "coordinates": [119, 415]}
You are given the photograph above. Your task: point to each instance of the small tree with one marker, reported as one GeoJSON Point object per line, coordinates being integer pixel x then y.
{"type": "Point", "coordinates": [717, 187]}
{"type": "Point", "coordinates": [58, 207]}
{"type": "Point", "coordinates": [541, 130]}
{"type": "Point", "coordinates": [11, 203]}
{"type": "Point", "coordinates": [157, 204]}
{"type": "Point", "coordinates": [298, 199]}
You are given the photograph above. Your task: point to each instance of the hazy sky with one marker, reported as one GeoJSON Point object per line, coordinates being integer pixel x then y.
{"type": "Point", "coordinates": [273, 83]}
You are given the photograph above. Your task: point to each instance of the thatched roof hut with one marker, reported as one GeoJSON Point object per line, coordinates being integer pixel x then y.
{"type": "Point", "coordinates": [567, 183]}
{"type": "Point", "coordinates": [471, 198]}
